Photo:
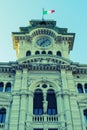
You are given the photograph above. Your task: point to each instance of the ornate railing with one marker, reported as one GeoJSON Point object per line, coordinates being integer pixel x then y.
{"type": "Point", "coordinates": [45, 118]}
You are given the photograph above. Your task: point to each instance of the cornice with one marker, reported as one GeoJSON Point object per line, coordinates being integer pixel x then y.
{"type": "Point", "coordinates": [22, 92]}
{"type": "Point", "coordinates": [66, 93]}
{"type": "Point", "coordinates": [43, 63]}
{"type": "Point", "coordinates": [5, 97]}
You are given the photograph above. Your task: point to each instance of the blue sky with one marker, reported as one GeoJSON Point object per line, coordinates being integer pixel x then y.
{"type": "Point", "coordinates": [70, 14]}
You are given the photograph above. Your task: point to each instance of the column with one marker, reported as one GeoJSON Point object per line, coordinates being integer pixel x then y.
{"type": "Point", "coordinates": [75, 113]}
{"type": "Point", "coordinates": [76, 119]}
{"type": "Point", "coordinates": [30, 108]}
{"type": "Point", "coordinates": [61, 121]}
{"type": "Point", "coordinates": [69, 124]}
{"type": "Point", "coordinates": [29, 121]}
{"type": "Point", "coordinates": [14, 116]}
{"type": "Point", "coordinates": [23, 104]}
{"type": "Point", "coordinates": [64, 90]}
{"type": "Point", "coordinates": [14, 119]}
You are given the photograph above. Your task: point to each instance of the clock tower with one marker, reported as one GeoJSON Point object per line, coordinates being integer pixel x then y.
{"type": "Point", "coordinates": [42, 37]}
{"type": "Point", "coordinates": [43, 89]}
{"type": "Point", "coordinates": [43, 49]}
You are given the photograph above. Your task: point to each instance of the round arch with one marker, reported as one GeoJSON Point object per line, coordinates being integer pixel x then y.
{"type": "Point", "coordinates": [33, 85]}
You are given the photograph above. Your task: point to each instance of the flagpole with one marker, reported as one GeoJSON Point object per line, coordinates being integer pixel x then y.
{"type": "Point", "coordinates": [42, 14]}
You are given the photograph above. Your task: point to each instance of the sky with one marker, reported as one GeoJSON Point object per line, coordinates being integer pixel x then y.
{"type": "Point", "coordinates": [69, 14]}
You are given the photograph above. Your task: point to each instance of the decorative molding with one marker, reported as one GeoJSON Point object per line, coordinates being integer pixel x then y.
{"type": "Point", "coordinates": [43, 31]}
{"type": "Point", "coordinates": [5, 97]}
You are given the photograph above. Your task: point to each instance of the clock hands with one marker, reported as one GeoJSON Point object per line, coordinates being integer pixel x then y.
{"type": "Point", "coordinates": [43, 41]}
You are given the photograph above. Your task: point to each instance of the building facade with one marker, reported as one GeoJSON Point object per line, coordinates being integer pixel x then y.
{"type": "Point", "coordinates": [43, 89]}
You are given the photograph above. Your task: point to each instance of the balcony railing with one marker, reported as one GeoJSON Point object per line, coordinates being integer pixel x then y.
{"type": "Point", "coordinates": [45, 118]}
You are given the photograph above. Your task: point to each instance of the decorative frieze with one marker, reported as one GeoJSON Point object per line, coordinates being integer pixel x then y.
{"type": "Point", "coordinates": [43, 31]}
{"type": "Point", "coordinates": [5, 69]}
{"type": "Point", "coordinates": [37, 64]}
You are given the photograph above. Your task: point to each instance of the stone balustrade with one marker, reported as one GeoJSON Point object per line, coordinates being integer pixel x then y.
{"type": "Point", "coordinates": [45, 118]}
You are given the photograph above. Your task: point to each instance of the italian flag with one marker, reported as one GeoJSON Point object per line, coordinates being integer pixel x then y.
{"type": "Point", "coordinates": [48, 12]}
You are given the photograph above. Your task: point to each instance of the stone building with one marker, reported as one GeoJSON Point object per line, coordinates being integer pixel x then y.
{"type": "Point", "coordinates": [43, 89]}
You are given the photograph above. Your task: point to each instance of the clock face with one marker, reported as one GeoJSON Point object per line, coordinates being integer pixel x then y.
{"type": "Point", "coordinates": [43, 41]}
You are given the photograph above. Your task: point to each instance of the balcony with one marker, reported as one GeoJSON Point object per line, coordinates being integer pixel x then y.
{"type": "Point", "coordinates": [45, 118]}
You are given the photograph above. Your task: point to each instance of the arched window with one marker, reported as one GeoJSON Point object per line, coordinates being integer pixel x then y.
{"type": "Point", "coordinates": [43, 52]}
{"type": "Point", "coordinates": [37, 52]}
{"type": "Point", "coordinates": [59, 53]}
{"type": "Point", "coordinates": [50, 52]}
{"type": "Point", "coordinates": [2, 115]}
{"type": "Point", "coordinates": [80, 88]}
{"type": "Point", "coordinates": [38, 102]}
{"type": "Point", "coordinates": [28, 53]}
{"type": "Point", "coordinates": [44, 86]}
{"type": "Point", "coordinates": [52, 105]}
{"type": "Point", "coordinates": [85, 116]}
{"type": "Point", "coordinates": [8, 87]}
{"type": "Point", "coordinates": [85, 87]}
{"type": "Point", "coordinates": [1, 86]}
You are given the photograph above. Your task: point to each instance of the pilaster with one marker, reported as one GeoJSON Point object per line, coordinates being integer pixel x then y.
{"type": "Point", "coordinates": [65, 100]}
{"type": "Point", "coordinates": [60, 110]}
{"type": "Point", "coordinates": [69, 124]}
{"type": "Point", "coordinates": [30, 108]}
{"type": "Point", "coordinates": [75, 113]}
{"type": "Point", "coordinates": [23, 104]}
{"type": "Point", "coordinates": [15, 110]}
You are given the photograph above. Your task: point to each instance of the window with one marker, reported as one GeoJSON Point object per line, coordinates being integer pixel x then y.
{"type": "Point", "coordinates": [59, 53]}
{"type": "Point", "coordinates": [38, 102]}
{"type": "Point", "coordinates": [2, 115]}
{"type": "Point", "coordinates": [44, 86]}
{"type": "Point", "coordinates": [43, 52]}
{"type": "Point", "coordinates": [8, 87]}
{"type": "Point", "coordinates": [50, 52]}
{"type": "Point", "coordinates": [1, 86]}
{"type": "Point", "coordinates": [80, 88]}
{"type": "Point", "coordinates": [37, 52]}
{"type": "Point", "coordinates": [85, 87]}
{"type": "Point", "coordinates": [52, 105]}
{"type": "Point", "coordinates": [38, 111]}
{"type": "Point", "coordinates": [28, 53]}
{"type": "Point", "coordinates": [85, 116]}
